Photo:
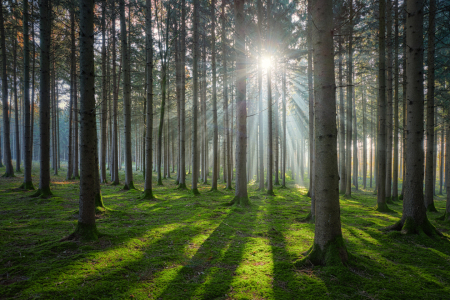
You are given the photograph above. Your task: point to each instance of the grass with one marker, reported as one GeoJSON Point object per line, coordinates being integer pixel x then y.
{"type": "Point", "coordinates": [182, 246]}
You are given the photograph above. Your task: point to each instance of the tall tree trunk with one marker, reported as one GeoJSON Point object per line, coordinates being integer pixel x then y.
{"type": "Point", "coordinates": [389, 112]}
{"type": "Point", "coordinates": [381, 143]}
{"type": "Point", "coordinates": [215, 175]}
{"type": "Point", "coordinates": [364, 140]}
{"type": "Point", "coordinates": [311, 107]}
{"type": "Point", "coordinates": [195, 162]}
{"type": "Point", "coordinates": [182, 180]}
{"type": "Point", "coordinates": [27, 140]}
{"type": "Point", "coordinates": [32, 94]}
{"type": "Point", "coordinates": [260, 103]}
{"type": "Point", "coordinates": [441, 166]}
{"type": "Point", "coordinates": [405, 112]}
{"type": "Point", "coordinates": [86, 228]}
{"type": "Point", "coordinates": [148, 190]}
{"type": "Point", "coordinates": [104, 98]}
{"type": "Point", "coordinates": [372, 143]}
{"type": "Point", "coordinates": [16, 106]}
{"type": "Point", "coordinates": [446, 216]}
{"type": "Point", "coordinates": [414, 219]}
{"type": "Point", "coordinates": [241, 196]}
{"type": "Point", "coordinates": [283, 167]}
{"type": "Point", "coordinates": [126, 98]}
{"type": "Point", "coordinates": [203, 103]}
{"type": "Point", "coordinates": [270, 148]}
{"type": "Point", "coordinates": [72, 92]}
{"type": "Point", "coordinates": [115, 137]}
{"type": "Point", "coordinates": [329, 247]}
{"type": "Point", "coordinates": [44, 98]}
{"type": "Point", "coordinates": [342, 165]}
{"type": "Point", "coordinates": [396, 116]}
{"type": "Point", "coordinates": [355, 144]}
{"type": "Point", "coordinates": [227, 152]}
{"type": "Point", "coordinates": [348, 159]}
{"type": "Point", "coordinates": [429, 164]}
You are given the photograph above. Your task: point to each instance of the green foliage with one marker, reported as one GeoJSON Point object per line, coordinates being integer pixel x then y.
{"type": "Point", "coordinates": [181, 246]}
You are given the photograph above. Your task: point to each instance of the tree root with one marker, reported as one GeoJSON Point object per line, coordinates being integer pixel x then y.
{"type": "Point", "coordinates": [333, 254]}
{"type": "Point", "coordinates": [409, 226]}
{"type": "Point", "coordinates": [43, 193]}
{"type": "Point", "coordinates": [239, 201]}
{"type": "Point", "coordinates": [27, 186]}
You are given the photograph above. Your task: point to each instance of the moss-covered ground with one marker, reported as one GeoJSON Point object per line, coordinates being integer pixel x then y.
{"type": "Point", "coordinates": [182, 246]}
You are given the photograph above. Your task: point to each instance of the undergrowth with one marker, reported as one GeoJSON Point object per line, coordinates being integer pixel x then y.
{"type": "Point", "coordinates": [181, 246]}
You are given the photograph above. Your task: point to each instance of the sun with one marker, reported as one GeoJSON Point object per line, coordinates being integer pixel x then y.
{"type": "Point", "coordinates": [266, 62]}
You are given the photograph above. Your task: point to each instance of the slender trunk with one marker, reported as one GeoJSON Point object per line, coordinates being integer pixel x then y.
{"type": "Point", "coordinates": [195, 166]}
{"type": "Point", "coordinates": [355, 144]}
{"type": "Point", "coordinates": [396, 116]}
{"type": "Point", "coordinates": [72, 91]}
{"type": "Point", "coordinates": [241, 197]}
{"type": "Point", "coordinates": [389, 112]}
{"type": "Point", "coordinates": [227, 151]}
{"type": "Point", "coordinates": [364, 140]}
{"type": "Point", "coordinates": [342, 165]}
{"type": "Point", "coordinates": [115, 137]}
{"type": "Point", "coordinates": [126, 98]}
{"type": "Point", "coordinates": [27, 140]}
{"type": "Point", "coordinates": [182, 170]}
{"type": "Point", "coordinates": [283, 167]}
{"type": "Point", "coordinates": [16, 106]}
{"type": "Point", "coordinates": [429, 164]}
{"type": "Point", "coordinates": [104, 98]}
{"type": "Point", "coordinates": [381, 144]}
{"type": "Point", "coordinates": [441, 166]}
{"type": "Point", "coordinates": [348, 159]}
{"type": "Point", "coordinates": [215, 175]}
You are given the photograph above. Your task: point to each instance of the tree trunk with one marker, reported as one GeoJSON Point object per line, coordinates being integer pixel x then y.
{"type": "Point", "coordinates": [195, 165]}
{"type": "Point", "coordinates": [27, 139]}
{"type": "Point", "coordinates": [72, 92]}
{"type": "Point", "coordinates": [215, 175]}
{"type": "Point", "coordinates": [16, 106]}
{"type": "Point", "coordinates": [414, 218]}
{"type": "Point", "coordinates": [148, 190]}
{"type": "Point", "coordinates": [329, 247]}
{"type": "Point", "coordinates": [348, 159]}
{"type": "Point", "coordinates": [283, 167]}
{"type": "Point", "coordinates": [441, 167]}
{"type": "Point", "coordinates": [389, 112]}
{"type": "Point", "coordinates": [355, 144]}
{"type": "Point", "coordinates": [86, 228]}
{"type": "Point", "coordinates": [115, 137]}
{"type": "Point", "coordinates": [44, 98]}
{"type": "Point", "coordinates": [429, 164]}
{"type": "Point", "coordinates": [241, 196]}
{"type": "Point", "coordinates": [182, 180]}
{"type": "Point", "coordinates": [396, 116]}
{"type": "Point", "coordinates": [126, 98]}
{"type": "Point", "coordinates": [364, 140]}
{"type": "Point", "coordinates": [446, 216]}
{"type": "Point", "coordinates": [227, 154]}
{"type": "Point", "coordinates": [342, 165]}
{"type": "Point", "coordinates": [104, 98]}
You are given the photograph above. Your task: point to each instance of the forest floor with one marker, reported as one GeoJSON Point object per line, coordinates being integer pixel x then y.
{"type": "Point", "coordinates": [182, 246]}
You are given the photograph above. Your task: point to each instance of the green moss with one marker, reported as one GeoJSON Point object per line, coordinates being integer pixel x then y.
{"type": "Point", "coordinates": [411, 227]}
{"type": "Point", "coordinates": [333, 254]}
{"type": "Point", "coordinates": [182, 186]}
{"type": "Point", "coordinates": [5, 175]}
{"type": "Point", "coordinates": [114, 183]}
{"type": "Point", "coordinates": [270, 193]}
{"type": "Point", "coordinates": [27, 186]}
{"type": "Point", "coordinates": [445, 217]}
{"type": "Point", "coordinates": [389, 200]}
{"type": "Point", "coordinates": [240, 201]}
{"type": "Point", "coordinates": [195, 192]}
{"type": "Point", "coordinates": [382, 207]}
{"type": "Point", "coordinates": [310, 218]}
{"type": "Point", "coordinates": [43, 193]}
{"type": "Point", "coordinates": [129, 186]}
{"type": "Point", "coordinates": [400, 197]}
{"type": "Point", "coordinates": [147, 195]}
{"type": "Point", "coordinates": [84, 232]}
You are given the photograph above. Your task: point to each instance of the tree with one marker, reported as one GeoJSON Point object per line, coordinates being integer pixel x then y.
{"type": "Point", "coordinates": [27, 181]}
{"type": "Point", "coordinates": [45, 12]}
{"type": "Point", "coordinates": [260, 103]}
{"type": "Point", "coordinates": [115, 138]}
{"type": "Point", "coordinates": [86, 228]}
{"type": "Point", "coordinates": [104, 100]}
{"type": "Point", "coordinates": [342, 165]}
{"type": "Point", "coordinates": [396, 116]}
{"type": "Point", "coordinates": [126, 98]}
{"type": "Point", "coordinates": [446, 216]}
{"type": "Point", "coordinates": [389, 107]}
{"type": "Point", "coordinates": [215, 175]}
{"type": "Point", "coordinates": [269, 115]}
{"type": "Point", "coordinates": [429, 164]}
{"type": "Point", "coordinates": [348, 158]}
{"type": "Point", "coordinates": [195, 165]}
{"type": "Point", "coordinates": [329, 247]}
{"type": "Point", "coordinates": [148, 191]}
{"type": "Point", "coordinates": [414, 218]}
{"type": "Point", "coordinates": [6, 124]}
{"type": "Point", "coordinates": [381, 141]}
{"type": "Point", "coordinates": [241, 196]}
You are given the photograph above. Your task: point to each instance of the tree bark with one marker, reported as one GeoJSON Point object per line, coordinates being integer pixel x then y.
{"type": "Point", "coordinates": [44, 98]}
{"type": "Point", "coordinates": [16, 106]}
{"type": "Point", "coordinates": [389, 112]}
{"type": "Point", "coordinates": [215, 175]}
{"type": "Point", "coordinates": [329, 247]}
{"type": "Point", "coordinates": [429, 164]}
{"type": "Point", "coordinates": [126, 98]}
{"type": "Point", "coordinates": [115, 137]}
{"type": "Point", "coordinates": [283, 166]}
{"type": "Point", "coordinates": [396, 116]}
{"type": "Point", "coordinates": [104, 100]}
{"type": "Point", "coordinates": [414, 218]}
{"type": "Point", "coordinates": [348, 159]}
{"type": "Point", "coordinates": [227, 152]}
{"type": "Point", "coordinates": [195, 162]}
{"type": "Point", "coordinates": [381, 143]}
{"type": "Point", "coordinates": [86, 228]}
{"type": "Point", "coordinates": [27, 139]}
{"type": "Point", "coordinates": [241, 196]}
{"type": "Point", "coordinates": [342, 165]}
